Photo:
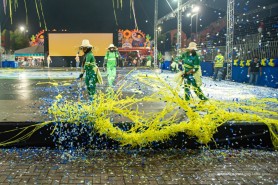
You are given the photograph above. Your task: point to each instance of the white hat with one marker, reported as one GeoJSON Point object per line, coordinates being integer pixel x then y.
{"type": "Point", "coordinates": [192, 45]}
{"type": "Point", "coordinates": [86, 43]}
{"type": "Point", "coordinates": [218, 51]}
{"type": "Point", "coordinates": [111, 46]}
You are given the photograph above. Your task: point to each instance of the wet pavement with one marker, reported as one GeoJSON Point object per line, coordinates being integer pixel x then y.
{"type": "Point", "coordinates": [26, 94]}
{"type": "Point", "coordinates": [43, 166]}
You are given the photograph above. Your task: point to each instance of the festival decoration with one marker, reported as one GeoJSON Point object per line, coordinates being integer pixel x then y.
{"type": "Point", "coordinates": [134, 40]}
{"type": "Point", "coordinates": [271, 62]}
{"type": "Point", "coordinates": [242, 63]}
{"type": "Point", "coordinates": [147, 44]}
{"type": "Point", "coordinates": [236, 62]}
{"type": "Point", "coordinates": [38, 39]}
{"type": "Point", "coordinates": [248, 62]}
{"type": "Point", "coordinates": [263, 62]}
{"type": "Point", "coordinates": [131, 38]}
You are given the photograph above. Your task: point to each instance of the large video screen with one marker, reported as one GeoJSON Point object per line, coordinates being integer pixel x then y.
{"type": "Point", "coordinates": [67, 44]}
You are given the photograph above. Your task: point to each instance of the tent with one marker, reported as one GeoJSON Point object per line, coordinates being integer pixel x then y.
{"type": "Point", "coordinates": [30, 51]}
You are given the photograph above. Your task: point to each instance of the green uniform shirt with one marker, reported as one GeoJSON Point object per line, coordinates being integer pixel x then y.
{"type": "Point", "coordinates": [219, 60]}
{"type": "Point", "coordinates": [190, 62]}
{"type": "Point", "coordinates": [111, 58]}
{"type": "Point", "coordinates": [149, 58]}
{"type": "Point", "coordinates": [90, 61]}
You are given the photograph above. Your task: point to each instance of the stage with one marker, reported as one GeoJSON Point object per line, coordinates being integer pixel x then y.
{"type": "Point", "coordinates": [27, 94]}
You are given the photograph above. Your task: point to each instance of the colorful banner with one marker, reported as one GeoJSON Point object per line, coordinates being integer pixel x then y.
{"type": "Point", "coordinates": [133, 38]}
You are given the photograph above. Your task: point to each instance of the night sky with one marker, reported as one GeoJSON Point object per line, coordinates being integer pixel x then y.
{"type": "Point", "coordinates": [97, 16]}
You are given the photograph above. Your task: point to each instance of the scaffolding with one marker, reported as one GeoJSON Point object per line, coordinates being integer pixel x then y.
{"type": "Point", "coordinates": [179, 30]}
{"type": "Point", "coordinates": [230, 37]}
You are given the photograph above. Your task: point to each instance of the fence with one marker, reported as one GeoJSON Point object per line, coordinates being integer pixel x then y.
{"type": "Point", "coordinates": [245, 51]}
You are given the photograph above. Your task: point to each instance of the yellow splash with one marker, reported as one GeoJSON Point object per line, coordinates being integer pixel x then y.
{"type": "Point", "coordinates": [202, 122]}
{"type": "Point", "coordinates": [147, 127]}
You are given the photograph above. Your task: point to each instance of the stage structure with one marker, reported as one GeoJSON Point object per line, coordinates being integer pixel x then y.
{"type": "Point", "coordinates": [177, 13]}
{"type": "Point", "coordinates": [189, 4]}
{"type": "Point", "coordinates": [230, 37]}
{"type": "Point", "coordinates": [71, 42]}
{"type": "Point", "coordinates": [37, 39]}
{"type": "Point", "coordinates": [179, 26]}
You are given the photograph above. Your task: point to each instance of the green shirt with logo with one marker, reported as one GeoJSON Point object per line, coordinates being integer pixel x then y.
{"type": "Point", "coordinates": [190, 62]}
{"type": "Point", "coordinates": [90, 62]}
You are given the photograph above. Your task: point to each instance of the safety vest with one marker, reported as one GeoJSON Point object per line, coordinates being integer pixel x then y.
{"type": "Point", "coordinates": [111, 58]}
{"type": "Point", "coordinates": [219, 61]}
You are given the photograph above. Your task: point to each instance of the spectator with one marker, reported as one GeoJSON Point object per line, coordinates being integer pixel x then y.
{"type": "Point", "coordinates": [149, 61]}
{"type": "Point", "coordinates": [48, 61]}
{"type": "Point", "coordinates": [175, 64]}
{"type": "Point", "coordinates": [218, 66]}
{"type": "Point", "coordinates": [253, 71]}
{"type": "Point", "coordinates": [77, 60]}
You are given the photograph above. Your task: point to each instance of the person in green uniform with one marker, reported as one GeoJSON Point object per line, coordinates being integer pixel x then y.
{"type": "Point", "coordinates": [218, 66]}
{"type": "Point", "coordinates": [111, 58]}
{"type": "Point", "coordinates": [88, 67]}
{"type": "Point", "coordinates": [149, 61]}
{"type": "Point", "coordinates": [175, 64]}
{"type": "Point", "coordinates": [191, 65]}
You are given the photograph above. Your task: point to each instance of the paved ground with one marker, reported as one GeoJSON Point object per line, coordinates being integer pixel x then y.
{"type": "Point", "coordinates": [43, 166]}
{"type": "Point", "coordinates": [26, 93]}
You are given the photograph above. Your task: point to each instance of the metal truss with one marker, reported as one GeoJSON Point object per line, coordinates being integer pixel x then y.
{"type": "Point", "coordinates": [179, 29]}
{"type": "Point", "coordinates": [230, 37]}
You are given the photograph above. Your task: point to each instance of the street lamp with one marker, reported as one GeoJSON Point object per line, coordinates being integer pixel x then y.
{"type": "Point", "coordinates": [22, 28]}
{"type": "Point", "coordinates": [159, 30]}
{"type": "Point", "coordinates": [191, 17]}
{"type": "Point", "coordinates": [194, 12]}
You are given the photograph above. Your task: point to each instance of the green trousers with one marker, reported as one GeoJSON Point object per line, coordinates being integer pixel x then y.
{"type": "Point", "coordinates": [111, 75]}
{"type": "Point", "coordinates": [190, 81]}
{"type": "Point", "coordinates": [91, 81]}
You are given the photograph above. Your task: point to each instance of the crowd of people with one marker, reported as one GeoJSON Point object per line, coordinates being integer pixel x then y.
{"type": "Point", "coordinates": [29, 61]}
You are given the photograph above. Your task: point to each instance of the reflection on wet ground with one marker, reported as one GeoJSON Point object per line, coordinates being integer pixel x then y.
{"type": "Point", "coordinates": [27, 93]}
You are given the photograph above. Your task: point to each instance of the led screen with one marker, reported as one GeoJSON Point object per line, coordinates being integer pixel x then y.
{"type": "Point", "coordinates": [67, 44]}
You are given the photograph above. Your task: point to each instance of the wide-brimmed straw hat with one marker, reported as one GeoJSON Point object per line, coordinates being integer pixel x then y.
{"type": "Point", "coordinates": [86, 43]}
{"type": "Point", "coordinates": [111, 46]}
{"type": "Point", "coordinates": [192, 45]}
